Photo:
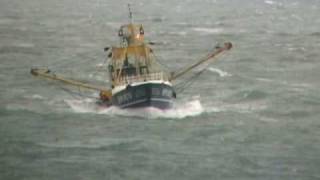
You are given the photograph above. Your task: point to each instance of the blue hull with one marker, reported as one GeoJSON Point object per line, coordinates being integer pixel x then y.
{"type": "Point", "coordinates": [157, 95]}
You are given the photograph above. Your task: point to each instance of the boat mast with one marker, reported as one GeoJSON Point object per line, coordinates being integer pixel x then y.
{"type": "Point", "coordinates": [130, 14]}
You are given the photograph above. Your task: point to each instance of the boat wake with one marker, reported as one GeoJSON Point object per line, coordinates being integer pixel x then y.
{"type": "Point", "coordinates": [179, 111]}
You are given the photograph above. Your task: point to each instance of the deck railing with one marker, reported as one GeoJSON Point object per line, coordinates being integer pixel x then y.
{"type": "Point", "coordinates": [141, 78]}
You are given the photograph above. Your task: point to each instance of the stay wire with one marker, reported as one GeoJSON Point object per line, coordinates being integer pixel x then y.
{"type": "Point", "coordinates": [182, 86]}
{"type": "Point", "coordinates": [159, 60]}
{"type": "Point", "coordinates": [78, 94]}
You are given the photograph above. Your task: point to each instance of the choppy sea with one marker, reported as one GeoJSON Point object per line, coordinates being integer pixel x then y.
{"type": "Point", "coordinates": [252, 114]}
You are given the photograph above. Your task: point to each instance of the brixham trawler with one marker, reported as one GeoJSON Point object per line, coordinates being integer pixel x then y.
{"type": "Point", "coordinates": [137, 79]}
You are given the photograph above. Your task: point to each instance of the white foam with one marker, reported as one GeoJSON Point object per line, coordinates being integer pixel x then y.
{"type": "Point", "coordinates": [86, 105]}
{"type": "Point", "coordinates": [269, 2]}
{"type": "Point", "coordinates": [191, 108]}
{"type": "Point", "coordinates": [208, 30]}
{"type": "Point", "coordinates": [182, 33]}
{"type": "Point", "coordinates": [37, 96]}
{"type": "Point", "coordinates": [100, 65]}
{"type": "Point", "coordinates": [220, 72]}
{"type": "Point", "coordinates": [97, 77]}
{"type": "Point", "coordinates": [264, 79]}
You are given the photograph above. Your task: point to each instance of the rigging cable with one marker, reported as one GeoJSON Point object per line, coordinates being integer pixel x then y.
{"type": "Point", "coordinates": [159, 59]}
{"type": "Point", "coordinates": [78, 94]}
{"type": "Point", "coordinates": [180, 87]}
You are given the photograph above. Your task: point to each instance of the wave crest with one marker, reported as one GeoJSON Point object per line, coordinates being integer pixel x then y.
{"type": "Point", "coordinates": [179, 111]}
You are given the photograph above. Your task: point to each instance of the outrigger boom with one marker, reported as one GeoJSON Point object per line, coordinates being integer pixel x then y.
{"type": "Point", "coordinates": [46, 73]}
{"type": "Point", "coordinates": [218, 50]}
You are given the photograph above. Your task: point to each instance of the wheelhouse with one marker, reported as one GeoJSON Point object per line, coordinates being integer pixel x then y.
{"type": "Point", "coordinates": [133, 61]}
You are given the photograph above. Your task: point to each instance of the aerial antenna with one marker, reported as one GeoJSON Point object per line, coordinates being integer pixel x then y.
{"type": "Point", "coordinates": [130, 14]}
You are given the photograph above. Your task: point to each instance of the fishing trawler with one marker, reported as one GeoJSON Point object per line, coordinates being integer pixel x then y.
{"type": "Point", "coordinates": [137, 79]}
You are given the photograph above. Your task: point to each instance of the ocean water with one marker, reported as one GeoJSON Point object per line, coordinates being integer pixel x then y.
{"type": "Point", "coordinates": [252, 114]}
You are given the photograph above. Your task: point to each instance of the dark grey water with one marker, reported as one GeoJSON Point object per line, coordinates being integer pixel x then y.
{"type": "Point", "coordinates": [254, 114]}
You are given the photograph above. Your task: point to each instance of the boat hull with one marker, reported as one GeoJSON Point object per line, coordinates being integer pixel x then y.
{"type": "Point", "coordinates": [157, 95]}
